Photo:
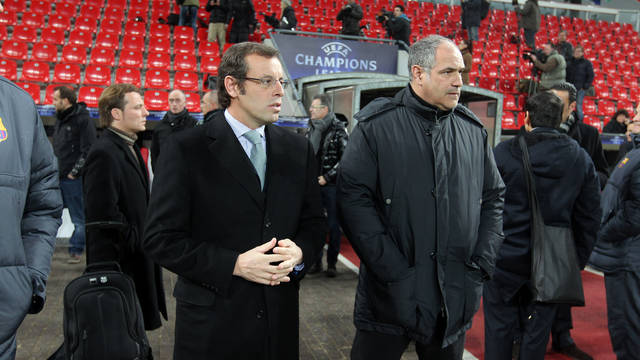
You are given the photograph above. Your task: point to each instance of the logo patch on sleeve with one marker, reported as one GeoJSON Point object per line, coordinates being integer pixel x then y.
{"type": "Point", "coordinates": [4, 134]}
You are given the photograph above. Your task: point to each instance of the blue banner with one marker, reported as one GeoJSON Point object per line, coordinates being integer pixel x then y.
{"type": "Point", "coordinates": [305, 56]}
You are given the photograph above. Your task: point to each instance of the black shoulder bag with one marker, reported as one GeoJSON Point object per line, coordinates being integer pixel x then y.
{"type": "Point", "coordinates": [555, 272]}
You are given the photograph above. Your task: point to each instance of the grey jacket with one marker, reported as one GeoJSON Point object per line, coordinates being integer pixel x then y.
{"type": "Point", "coordinates": [30, 213]}
{"type": "Point", "coordinates": [529, 16]}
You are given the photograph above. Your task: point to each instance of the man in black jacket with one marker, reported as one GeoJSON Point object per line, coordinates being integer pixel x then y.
{"type": "Point", "coordinates": [580, 74]}
{"type": "Point", "coordinates": [209, 106]}
{"type": "Point", "coordinates": [244, 20]}
{"type": "Point", "coordinates": [218, 16]}
{"type": "Point", "coordinates": [174, 120]}
{"type": "Point", "coordinates": [420, 200]}
{"type": "Point", "coordinates": [287, 19]}
{"type": "Point", "coordinates": [350, 15]}
{"type": "Point", "coordinates": [329, 139]}
{"type": "Point", "coordinates": [569, 196]}
{"type": "Point", "coordinates": [471, 17]}
{"type": "Point", "coordinates": [116, 193]}
{"type": "Point", "coordinates": [563, 46]}
{"type": "Point", "coordinates": [73, 135]}
{"type": "Point", "coordinates": [399, 26]}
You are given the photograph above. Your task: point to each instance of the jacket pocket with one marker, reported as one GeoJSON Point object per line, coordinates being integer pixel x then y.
{"type": "Point", "coordinates": [192, 293]}
{"type": "Point", "coordinates": [394, 302]}
{"type": "Point", "coordinates": [473, 281]}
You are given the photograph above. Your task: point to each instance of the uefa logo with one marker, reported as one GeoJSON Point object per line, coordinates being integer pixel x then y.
{"type": "Point", "coordinates": [336, 48]}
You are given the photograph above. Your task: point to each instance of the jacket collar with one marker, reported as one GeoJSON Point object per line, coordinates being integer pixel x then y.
{"type": "Point", "coordinates": [135, 161]}
{"type": "Point", "coordinates": [426, 111]}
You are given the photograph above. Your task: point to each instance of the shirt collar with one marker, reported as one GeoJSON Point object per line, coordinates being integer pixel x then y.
{"type": "Point", "coordinates": [239, 128]}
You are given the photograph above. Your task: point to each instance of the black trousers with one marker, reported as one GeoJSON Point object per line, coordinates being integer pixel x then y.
{"type": "Point", "coordinates": [372, 345]}
{"type": "Point", "coordinates": [623, 313]}
{"type": "Point", "coordinates": [560, 335]}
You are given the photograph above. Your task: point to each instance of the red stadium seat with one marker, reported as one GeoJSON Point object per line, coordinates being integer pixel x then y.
{"type": "Point", "coordinates": [33, 90]}
{"type": "Point", "coordinates": [16, 50]}
{"type": "Point", "coordinates": [606, 108]}
{"type": "Point", "coordinates": [111, 26]}
{"type": "Point", "coordinates": [203, 34]}
{"type": "Point", "coordinates": [133, 14]}
{"type": "Point", "coordinates": [97, 75]}
{"type": "Point", "coordinates": [128, 76]}
{"type": "Point", "coordinates": [33, 20]}
{"type": "Point", "coordinates": [114, 13]}
{"type": "Point", "coordinates": [589, 107]}
{"type": "Point", "coordinates": [35, 71]}
{"type": "Point", "coordinates": [488, 83]}
{"type": "Point", "coordinates": [8, 18]}
{"type": "Point", "coordinates": [135, 43]}
{"type": "Point", "coordinates": [3, 32]}
{"type": "Point", "coordinates": [602, 92]}
{"type": "Point", "coordinates": [185, 62]}
{"type": "Point", "coordinates": [66, 9]}
{"type": "Point", "coordinates": [619, 93]}
{"type": "Point", "coordinates": [107, 40]}
{"type": "Point", "coordinates": [139, 4]}
{"type": "Point", "coordinates": [627, 105]}
{"type": "Point", "coordinates": [44, 52]}
{"type": "Point", "coordinates": [634, 94]}
{"type": "Point", "coordinates": [88, 24]}
{"type": "Point", "coordinates": [159, 44]}
{"type": "Point", "coordinates": [193, 102]}
{"type": "Point", "coordinates": [183, 33]}
{"type": "Point", "coordinates": [510, 103]}
{"type": "Point", "coordinates": [207, 48]}
{"type": "Point", "coordinates": [157, 79]}
{"type": "Point", "coordinates": [15, 5]}
{"type": "Point", "coordinates": [60, 22]}
{"type": "Point", "coordinates": [66, 74]}
{"type": "Point", "coordinates": [90, 95]}
{"type": "Point", "coordinates": [184, 47]}
{"type": "Point", "coordinates": [80, 38]}
{"type": "Point", "coordinates": [132, 59]}
{"type": "Point", "coordinates": [159, 30]}
{"type": "Point", "coordinates": [158, 60]}
{"type": "Point", "coordinates": [509, 121]}
{"type": "Point", "coordinates": [135, 28]}
{"type": "Point", "coordinates": [117, 3]}
{"type": "Point", "coordinates": [90, 10]}
{"type": "Point", "coordinates": [593, 121]}
{"type": "Point", "coordinates": [74, 54]}
{"type": "Point", "coordinates": [52, 36]}
{"type": "Point", "coordinates": [155, 100]}
{"type": "Point", "coordinates": [508, 85]}
{"type": "Point", "coordinates": [9, 69]}
{"type": "Point", "coordinates": [103, 57]}
{"type": "Point", "coordinates": [42, 7]}
{"type": "Point", "coordinates": [24, 33]}
{"type": "Point", "coordinates": [185, 80]}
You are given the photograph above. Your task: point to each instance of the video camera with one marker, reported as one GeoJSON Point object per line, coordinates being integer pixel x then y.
{"type": "Point", "coordinates": [526, 55]}
{"type": "Point", "coordinates": [383, 15]}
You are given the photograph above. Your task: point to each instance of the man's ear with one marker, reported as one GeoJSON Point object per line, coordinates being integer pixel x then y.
{"type": "Point", "coordinates": [116, 114]}
{"type": "Point", "coordinates": [527, 121]}
{"type": "Point", "coordinates": [231, 85]}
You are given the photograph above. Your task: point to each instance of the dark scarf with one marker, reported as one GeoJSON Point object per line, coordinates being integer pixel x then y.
{"type": "Point", "coordinates": [129, 139]}
{"type": "Point", "coordinates": [176, 119]}
{"type": "Point", "coordinates": [62, 115]}
{"type": "Point", "coordinates": [317, 129]}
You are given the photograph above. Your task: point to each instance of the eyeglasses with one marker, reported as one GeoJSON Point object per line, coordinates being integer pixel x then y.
{"type": "Point", "coordinates": [318, 106]}
{"type": "Point", "coordinates": [268, 82]}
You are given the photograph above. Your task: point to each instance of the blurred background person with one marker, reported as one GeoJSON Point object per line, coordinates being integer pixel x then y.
{"type": "Point", "coordinates": [350, 15]}
{"type": "Point", "coordinates": [618, 122]}
{"type": "Point", "coordinates": [174, 120]}
{"type": "Point", "coordinates": [398, 25]}
{"type": "Point", "coordinates": [529, 21]}
{"type": "Point", "coordinates": [466, 48]}
{"type": "Point", "coordinates": [244, 20]}
{"type": "Point", "coordinates": [580, 74]}
{"type": "Point", "coordinates": [471, 17]}
{"type": "Point", "coordinates": [287, 17]}
{"type": "Point", "coordinates": [563, 46]}
{"type": "Point", "coordinates": [218, 16]}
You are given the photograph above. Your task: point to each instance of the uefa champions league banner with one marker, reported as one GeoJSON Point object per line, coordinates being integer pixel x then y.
{"type": "Point", "coordinates": [305, 56]}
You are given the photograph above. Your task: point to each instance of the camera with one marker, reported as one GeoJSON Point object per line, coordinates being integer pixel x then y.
{"type": "Point", "coordinates": [383, 15]}
{"type": "Point", "coordinates": [526, 55]}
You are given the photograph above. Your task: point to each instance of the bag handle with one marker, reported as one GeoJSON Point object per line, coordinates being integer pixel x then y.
{"type": "Point", "coordinates": [531, 185]}
{"type": "Point", "coordinates": [103, 265]}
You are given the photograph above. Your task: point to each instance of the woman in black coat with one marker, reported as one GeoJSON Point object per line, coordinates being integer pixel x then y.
{"type": "Point", "coordinates": [116, 193]}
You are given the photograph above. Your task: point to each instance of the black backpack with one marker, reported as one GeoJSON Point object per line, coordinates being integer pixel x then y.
{"type": "Point", "coordinates": [102, 316]}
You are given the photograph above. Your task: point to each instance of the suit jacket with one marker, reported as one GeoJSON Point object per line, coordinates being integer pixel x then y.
{"type": "Point", "coordinates": [205, 210]}
{"type": "Point", "coordinates": [116, 190]}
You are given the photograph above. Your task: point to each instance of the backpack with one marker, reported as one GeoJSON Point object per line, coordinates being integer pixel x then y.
{"type": "Point", "coordinates": [102, 316]}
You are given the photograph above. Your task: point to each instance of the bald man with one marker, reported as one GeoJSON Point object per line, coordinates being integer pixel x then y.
{"type": "Point", "coordinates": [176, 119]}
{"type": "Point", "coordinates": [209, 105]}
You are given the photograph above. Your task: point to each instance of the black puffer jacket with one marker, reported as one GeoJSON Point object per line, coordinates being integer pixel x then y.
{"type": "Point", "coordinates": [399, 28]}
{"type": "Point", "coordinates": [420, 199]}
{"type": "Point", "coordinates": [568, 194]}
{"type": "Point", "coordinates": [73, 135]}
{"type": "Point", "coordinates": [333, 143]}
{"type": "Point", "coordinates": [170, 124]}
{"type": "Point", "coordinates": [471, 13]}
{"type": "Point", "coordinates": [580, 73]}
{"type": "Point", "coordinates": [350, 17]}
{"type": "Point", "coordinates": [288, 21]}
{"type": "Point", "coordinates": [218, 12]}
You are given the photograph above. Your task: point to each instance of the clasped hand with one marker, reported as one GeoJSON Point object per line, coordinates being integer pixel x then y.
{"type": "Point", "coordinates": [257, 266]}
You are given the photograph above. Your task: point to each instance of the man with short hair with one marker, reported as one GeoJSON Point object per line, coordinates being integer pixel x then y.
{"type": "Point", "coordinates": [580, 74]}
{"type": "Point", "coordinates": [30, 214]}
{"type": "Point", "coordinates": [73, 135]}
{"type": "Point", "coordinates": [328, 137]}
{"type": "Point", "coordinates": [420, 200]}
{"type": "Point", "coordinates": [569, 196]}
{"type": "Point", "coordinates": [563, 46]}
{"type": "Point", "coordinates": [174, 120]}
{"type": "Point", "coordinates": [236, 213]}
{"type": "Point", "coordinates": [553, 70]}
{"type": "Point", "coordinates": [209, 105]}
{"type": "Point", "coordinates": [399, 26]}
{"type": "Point", "coordinates": [116, 194]}
{"type": "Point", "coordinates": [350, 15]}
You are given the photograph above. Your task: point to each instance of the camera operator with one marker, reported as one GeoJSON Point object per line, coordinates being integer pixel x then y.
{"type": "Point", "coordinates": [287, 19]}
{"type": "Point", "coordinates": [553, 70]}
{"type": "Point", "coordinates": [350, 15]}
{"type": "Point", "coordinates": [398, 25]}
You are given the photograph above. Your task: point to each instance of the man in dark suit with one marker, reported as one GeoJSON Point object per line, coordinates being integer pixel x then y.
{"type": "Point", "coordinates": [236, 213]}
{"type": "Point", "coordinates": [116, 193]}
